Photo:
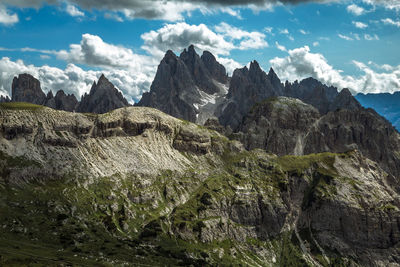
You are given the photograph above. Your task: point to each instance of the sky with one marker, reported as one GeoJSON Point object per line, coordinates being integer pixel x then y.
{"type": "Point", "coordinates": [68, 44]}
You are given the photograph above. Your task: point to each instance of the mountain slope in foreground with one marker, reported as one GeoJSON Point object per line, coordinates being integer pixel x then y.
{"type": "Point", "coordinates": [138, 187]}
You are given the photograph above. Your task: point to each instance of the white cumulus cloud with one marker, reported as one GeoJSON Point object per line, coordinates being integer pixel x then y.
{"type": "Point", "coordinates": [74, 11]}
{"type": "Point", "coordinates": [301, 63]}
{"type": "Point", "coordinates": [345, 37]}
{"type": "Point", "coordinates": [6, 18]}
{"type": "Point", "coordinates": [355, 10]}
{"type": "Point", "coordinates": [280, 47]}
{"type": "Point", "coordinates": [72, 79]}
{"type": "Point", "coordinates": [247, 40]}
{"type": "Point", "coordinates": [360, 24]}
{"type": "Point", "coordinates": [180, 35]}
{"type": "Point", "coordinates": [389, 21]}
{"type": "Point", "coordinates": [93, 51]}
{"type": "Point", "coordinates": [370, 37]}
{"type": "Point", "coordinates": [388, 4]}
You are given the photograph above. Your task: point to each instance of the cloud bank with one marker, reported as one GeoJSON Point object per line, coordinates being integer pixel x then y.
{"type": "Point", "coordinates": [301, 63]}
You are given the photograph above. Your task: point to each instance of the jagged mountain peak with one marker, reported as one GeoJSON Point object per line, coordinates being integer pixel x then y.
{"type": "Point", "coordinates": [254, 66]}
{"type": "Point", "coordinates": [169, 54]}
{"type": "Point", "coordinates": [103, 82]}
{"type": "Point", "coordinates": [49, 95]}
{"type": "Point", "coordinates": [189, 53]}
{"type": "Point", "coordinates": [103, 79]}
{"type": "Point", "coordinates": [346, 92]}
{"type": "Point", "coordinates": [345, 100]}
{"type": "Point", "coordinates": [60, 93]}
{"type": "Point", "coordinates": [272, 74]}
{"type": "Point", "coordinates": [274, 79]}
{"type": "Point", "coordinates": [103, 97]}
{"type": "Point", "coordinates": [216, 70]}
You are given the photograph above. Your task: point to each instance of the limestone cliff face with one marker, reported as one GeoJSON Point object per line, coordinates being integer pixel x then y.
{"type": "Point", "coordinates": [278, 125]}
{"type": "Point", "coordinates": [173, 91]}
{"type": "Point", "coordinates": [138, 186]}
{"type": "Point", "coordinates": [188, 86]}
{"type": "Point", "coordinates": [288, 126]}
{"type": "Point", "coordinates": [364, 130]}
{"type": "Point", "coordinates": [247, 87]}
{"type": "Point", "coordinates": [26, 88]}
{"type": "Point", "coordinates": [66, 142]}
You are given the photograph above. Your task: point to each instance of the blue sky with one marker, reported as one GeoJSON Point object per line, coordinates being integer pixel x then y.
{"type": "Point", "coordinates": [68, 44]}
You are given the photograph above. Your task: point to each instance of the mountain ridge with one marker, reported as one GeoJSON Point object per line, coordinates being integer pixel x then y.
{"type": "Point", "coordinates": [183, 195]}
{"type": "Point", "coordinates": [103, 96]}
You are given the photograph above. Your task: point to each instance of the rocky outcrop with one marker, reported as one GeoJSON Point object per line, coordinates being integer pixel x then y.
{"type": "Point", "coordinates": [344, 100]}
{"type": "Point", "coordinates": [365, 130]}
{"type": "Point", "coordinates": [184, 85]}
{"type": "Point", "coordinates": [289, 126]}
{"type": "Point", "coordinates": [214, 68]}
{"type": "Point", "coordinates": [102, 98]}
{"type": "Point", "coordinates": [184, 194]}
{"type": "Point", "coordinates": [247, 87]}
{"type": "Point", "coordinates": [67, 102]}
{"type": "Point", "coordinates": [313, 92]}
{"type": "Point", "coordinates": [278, 125]}
{"type": "Point", "coordinates": [26, 88]}
{"type": "Point", "coordinates": [200, 74]}
{"type": "Point", "coordinates": [61, 101]}
{"type": "Point", "coordinates": [173, 91]}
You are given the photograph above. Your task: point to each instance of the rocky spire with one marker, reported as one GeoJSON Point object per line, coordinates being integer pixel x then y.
{"type": "Point", "coordinates": [217, 71]}
{"type": "Point", "coordinates": [26, 88]}
{"type": "Point", "coordinates": [103, 97]}
{"type": "Point", "coordinates": [200, 73]}
{"type": "Point", "coordinates": [345, 100]}
{"type": "Point", "coordinates": [181, 82]}
{"type": "Point", "coordinates": [173, 90]}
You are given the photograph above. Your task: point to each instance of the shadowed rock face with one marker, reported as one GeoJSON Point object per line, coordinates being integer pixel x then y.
{"type": "Point", "coordinates": [216, 70]}
{"type": "Point", "coordinates": [365, 130]}
{"type": "Point", "coordinates": [102, 98]}
{"type": "Point", "coordinates": [61, 101]}
{"type": "Point", "coordinates": [247, 87]}
{"type": "Point", "coordinates": [182, 83]}
{"type": "Point", "coordinates": [289, 126]}
{"type": "Point", "coordinates": [26, 88]}
{"type": "Point", "coordinates": [67, 102]}
{"type": "Point", "coordinates": [200, 74]}
{"type": "Point", "coordinates": [173, 91]}
{"type": "Point", "coordinates": [278, 125]}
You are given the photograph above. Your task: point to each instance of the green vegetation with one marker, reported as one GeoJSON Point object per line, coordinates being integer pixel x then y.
{"type": "Point", "coordinates": [297, 164]}
{"type": "Point", "coordinates": [20, 106]}
{"type": "Point", "coordinates": [158, 220]}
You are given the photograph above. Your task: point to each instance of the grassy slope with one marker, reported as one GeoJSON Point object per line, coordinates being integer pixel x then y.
{"type": "Point", "coordinates": [100, 224]}
{"type": "Point", "coordinates": [20, 106]}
